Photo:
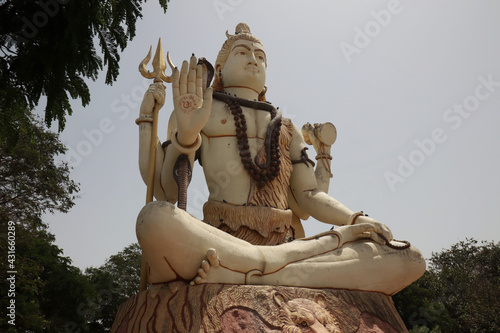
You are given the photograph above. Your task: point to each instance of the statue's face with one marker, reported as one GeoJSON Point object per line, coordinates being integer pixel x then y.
{"type": "Point", "coordinates": [245, 66]}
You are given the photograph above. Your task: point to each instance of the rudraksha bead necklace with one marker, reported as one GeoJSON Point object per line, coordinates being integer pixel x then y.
{"type": "Point", "coordinates": [269, 170]}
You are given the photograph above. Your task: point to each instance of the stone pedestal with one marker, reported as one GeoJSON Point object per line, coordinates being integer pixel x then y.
{"type": "Point", "coordinates": [178, 307]}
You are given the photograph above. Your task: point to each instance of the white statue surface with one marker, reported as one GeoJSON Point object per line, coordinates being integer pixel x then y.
{"type": "Point", "coordinates": [251, 231]}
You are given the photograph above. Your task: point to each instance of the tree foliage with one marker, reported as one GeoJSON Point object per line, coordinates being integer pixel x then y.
{"type": "Point", "coordinates": [115, 282]}
{"type": "Point", "coordinates": [31, 181]}
{"type": "Point", "coordinates": [460, 292]}
{"type": "Point", "coordinates": [48, 48]}
{"type": "Point", "coordinates": [52, 295]}
{"type": "Point", "coordinates": [47, 286]}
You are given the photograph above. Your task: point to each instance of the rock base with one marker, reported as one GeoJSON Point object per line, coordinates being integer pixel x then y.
{"type": "Point", "coordinates": [177, 307]}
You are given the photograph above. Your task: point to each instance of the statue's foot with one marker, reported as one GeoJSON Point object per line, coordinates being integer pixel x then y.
{"type": "Point", "coordinates": [205, 272]}
{"type": "Point", "coordinates": [211, 271]}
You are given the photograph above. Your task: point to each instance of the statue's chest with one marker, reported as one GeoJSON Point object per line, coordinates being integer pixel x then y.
{"type": "Point", "coordinates": [222, 122]}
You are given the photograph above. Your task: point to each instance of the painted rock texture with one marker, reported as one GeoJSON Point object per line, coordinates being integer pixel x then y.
{"type": "Point", "coordinates": [178, 307]}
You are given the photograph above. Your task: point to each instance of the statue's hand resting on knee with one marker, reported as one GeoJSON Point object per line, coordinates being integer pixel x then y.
{"type": "Point", "coordinates": [365, 229]}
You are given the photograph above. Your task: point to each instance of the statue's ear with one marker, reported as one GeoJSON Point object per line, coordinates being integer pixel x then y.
{"type": "Point", "coordinates": [279, 298]}
{"type": "Point", "coordinates": [321, 300]}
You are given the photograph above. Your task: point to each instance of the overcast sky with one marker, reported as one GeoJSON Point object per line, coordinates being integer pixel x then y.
{"type": "Point", "coordinates": [413, 88]}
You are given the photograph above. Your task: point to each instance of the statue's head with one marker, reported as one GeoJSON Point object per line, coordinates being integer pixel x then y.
{"type": "Point", "coordinates": [241, 62]}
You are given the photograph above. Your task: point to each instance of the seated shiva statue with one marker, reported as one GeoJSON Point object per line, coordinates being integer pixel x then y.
{"type": "Point", "coordinates": [249, 231]}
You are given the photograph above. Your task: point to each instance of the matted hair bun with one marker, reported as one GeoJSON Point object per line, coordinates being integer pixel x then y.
{"type": "Point", "coordinates": [242, 28]}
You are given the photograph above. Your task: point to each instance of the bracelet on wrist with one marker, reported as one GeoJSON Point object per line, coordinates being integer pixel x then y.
{"type": "Point", "coordinates": [353, 217]}
{"type": "Point", "coordinates": [144, 119]}
{"type": "Point", "coordinates": [185, 149]}
{"type": "Point", "coordinates": [323, 156]}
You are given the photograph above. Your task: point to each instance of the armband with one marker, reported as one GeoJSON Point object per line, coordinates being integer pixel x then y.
{"type": "Point", "coordinates": [304, 158]}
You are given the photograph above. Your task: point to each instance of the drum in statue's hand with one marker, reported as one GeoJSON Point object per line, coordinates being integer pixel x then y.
{"type": "Point", "coordinates": [326, 133]}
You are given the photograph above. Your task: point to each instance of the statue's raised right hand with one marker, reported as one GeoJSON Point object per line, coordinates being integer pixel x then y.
{"type": "Point", "coordinates": [191, 106]}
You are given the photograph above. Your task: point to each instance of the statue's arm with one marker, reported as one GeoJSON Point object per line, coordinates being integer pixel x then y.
{"type": "Point", "coordinates": [322, 173]}
{"type": "Point", "coordinates": [192, 105]}
{"type": "Point", "coordinates": [306, 191]}
{"type": "Point", "coordinates": [155, 94]}
{"type": "Point", "coordinates": [191, 112]}
{"type": "Point", "coordinates": [317, 203]}
{"type": "Point", "coordinates": [323, 147]}
{"type": "Point", "coordinates": [172, 153]}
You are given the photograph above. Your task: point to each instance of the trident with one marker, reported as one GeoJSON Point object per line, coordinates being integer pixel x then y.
{"type": "Point", "coordinates": [158, 74]}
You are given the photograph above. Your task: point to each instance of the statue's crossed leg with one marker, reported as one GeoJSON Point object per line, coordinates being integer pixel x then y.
{"type": "Point", "coordinates": [175, 243]}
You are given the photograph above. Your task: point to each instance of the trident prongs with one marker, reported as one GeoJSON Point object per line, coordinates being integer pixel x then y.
{"type": "Point", "coordinates": [159, 65]}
